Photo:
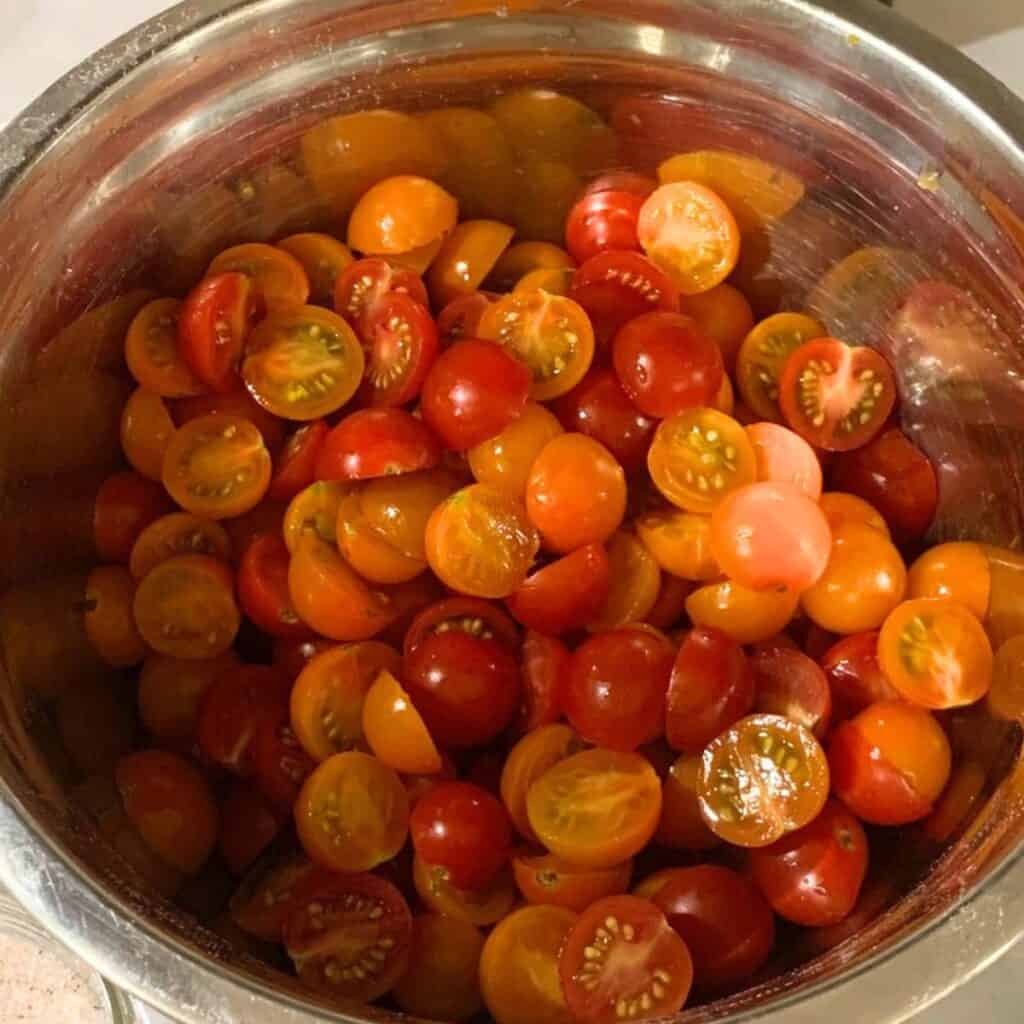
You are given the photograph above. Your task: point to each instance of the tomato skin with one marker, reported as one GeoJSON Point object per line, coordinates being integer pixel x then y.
{"type": "Point", "coordinates": [665, 364]}
{"type": "Point", "coordinates": [749, 616]}
{"type": "Point", "coordinates": [248, 825]}
{"type": "Point", "coordinates": [614, 693]}
{"type": "Point", "coordinates": [472, 392]}
{"type": "Point", "coordinates": [788, 683]}
{"type": "Point", "coordinates": [471, 615]}
{"type": "Point", "coordinates": [461, 318]}
{"type": "Point", "coordinates": [711, 687]}
{"type": "Point", "coordinates": [263, 589]}
{"type": "Point", "coordinates": [234, 403]}
{"type": "Point", "coordinates": [958, 570]}
{"type": "Point", "coordinates": [601, 221]}
{"type": "Point", "coordinates": [564, 595]}
{"type": "Point", "coordinates": [681, 826]}
{"type": "Point", "coordinates": [854, 676]}
{"type": "Point", "coordinates": [108, 620]}
{"type": "Point", "coordinates": [813, 876]}
{"type": "Point", "coordinates": [377, 442]}
{"type": "Point", "coordinates": [546, 879]}
{"type": "Point", "coordinates": [125, 505]}
{"type": "Point", "coordinates": [363, 285]}
{"type": "Point", "coordinates": [545, 663]}
{"type": "Point", "coordinates": [400, 342]}
{"type": "Point", "coordinates": [504, 461]}
{"type": "Point", "coordinates": [399, 214]}
{"type": "Point", "coordinates": [295, 467]}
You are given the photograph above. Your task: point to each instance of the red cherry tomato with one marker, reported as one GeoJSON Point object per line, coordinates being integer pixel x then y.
{"type": "Point", "coordinates": [788, 683]}
{"type": "Point", "coordinates": [545, 662]}
{"type": "Point", "coordinates": [248, 825]}
{"type": "Point", "coordinates": [372, 443]}
{"type": "Point", "coordinates": [295, 467]}
{"type": "Point", "coordinates": [711, 687]}
{"type": "Point", "coordinates": [361, 287]}
{"type": "Point", "coordinates": [473, 391]}
{"type": "Point", "coordinates": [263, 589]}
{"type": "Point", "coordinates": [813, 876]}
{"type": "Point", "coordinates": [234, 403]}
{"type": "Point", "coordinates": [461, 318]}
{"type": "Point", "coordinates": [666, 364]}
{"type": "Point", "coordinates": [564, 595]}
{"type": "Point", "coordinates": [622, 181]}
{"type": "Point", "coordinates": [125, 505]}
{"type": "Point", "coordinates": [836, 396]}
{"type": "Point", "coordinates": [614, 694]}
{"type": "Point", "coordinates": [400, 342]}
{"type": "Point", "coordinates": [854, 676]}
{"type": "Point", "coordinates": [601, 221]}
{"type": "Point", "coordinates": [472, 615]}
{"type": "Point", "coordinates": [784, 457]}
{"type": "Point", "coordinates": [280, 765]}
{"type": "Point", "coordinates": [463, 830]}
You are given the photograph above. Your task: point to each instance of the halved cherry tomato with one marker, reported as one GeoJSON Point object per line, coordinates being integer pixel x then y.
{"type": "Point", "coordinates": [352, 813]}
{"type": "Point", "coordinates": [680, 542]}
{"type": "Point", "coordinates": [151, 351]}
{"type": "Point", "coordinates": [295, 467]}
{"type": "Point", "coordinates": [349, 936]}
{"type": "Point", "coordinates": [665, 364]}
{"type": "Point", "coordinates": [314, 511]}
{"type": "Point", "coordinates": [377, 442]}
{"type": "Point", "coordinates": [835, 396]}
{"type": "Point", "coordinates": [523, 258]}
{"type": "Point", "coordinates": [400, 342]}
{"type": "Point", "coordinates": [270, 893]}
{"type": "Point", "coordinates": [762, 356]}
{"type": "Point", "coordinates": [277, 277]}
{"type": "Point", "coordinates": [790, 684]}
{"type": "Point", "coordinates": [601, 221]}
{"type": "Point", "coordinates": [958, 570]}
{"type": "Point", "coordinates": [691, 234]}
{"type": "Point", "coordinates": [179, 533]}
{"type": "Point", "coordinates": [711, 688]}
{"type": "Point", "coordinates": [504, 461]}
{"type": "Point", "coordinates": [395, 730]}
{"type": "Point", "coordinates": [461, 318]}
{"type": "Point", "coordinates": [545, 663]}
{"type": "Point", "coordinates": [890, 763]}
{"type": "Point", "coordinates": [399, 214]}
{"type": "Point", "coordinates": [108, 618]}
{"type": "Point", "coordinates": [724, 315]}
{"type": "Point", "coordinates": [368, 552]}
{"type": "Point", "coordinates": [1005, 698]}
{"type": "Point", "coordinates": [959, 800]}
{"type": "Point", "coordinates": [549, 880]}
{"type": "Point", "coordinates": [185, 607]}
{"type": "Point", "coordinates": [564, 595]}
{"type": "Point", "coordinates": [762, 778]}
{"type": "Point", "coordinates": [642, 969]}
{"type": "Point", "coordinates": [614, 693]}
{"type": "Point", "coordinates": [480, 542]}
{"type": "Point", "coordinates": [323, 258]}
{"type": "Point", "coordinates": [170, 803]}
{"type": "Point", "coordinates": [125, 505]}
{"type": "Point", "coordinates": [623, 181]}
{"type": "Point", "coordinates": [482, 907]}
{"type": "Point", "coordinates": [554, 282]}
{"type": "Point", "coordinates": [784, 457]}
{"type": "Point", "coordinates": [467, 615]}
{"type": "Point", "coordinates": [235, 403]}
{"type": "Point", "coordinates": [171, 692]}
{"type": "Point", "coordinates": [840, 509]}
{"type": "Point", "coordinates": [681, 826]}
{"type": "Point", "coordinates": [146, 429]}
{"type": "Point", "coordinates": [635, 582]}
{"type": "Point", "coordinates": [292, 656]}
{"type": "Point", "coordinates": [615, 287]}
{"type": "Point", "coordinates": [854, 675]}
{"type": "Point", "coordinates": [217, 466]}
{"type": "Point", "coordinates": [813, 876]}
{"type": "Point", "coordinates": [596, 808]}
{"type": "Point", "coordinates": [248, 825]}
{"type": "Point", "coordinates": [366, 283]}
{"type": "Point", "coordinates": [214, 323]}
{"type": "Point", "coordinates": [698, 456]}
{"type": "Point", "coordinates": [749, 616]}
{"type": "Point", "coordinates": [263, 588]}
{"type": "Point", "coordinates": [280, 765]}
{"type": "Point", "coordinates": [466, 257]}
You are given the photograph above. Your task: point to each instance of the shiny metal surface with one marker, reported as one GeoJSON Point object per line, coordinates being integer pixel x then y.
{"type": "Point", "coordinates": [184, 136]}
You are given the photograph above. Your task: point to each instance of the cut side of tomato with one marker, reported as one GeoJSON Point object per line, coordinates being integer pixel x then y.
{"type": "Point", "coordinates": [400, 342]}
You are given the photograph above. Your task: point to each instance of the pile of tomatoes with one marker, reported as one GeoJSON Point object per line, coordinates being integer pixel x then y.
{"type": "Point", "coordinates": [466, 593]}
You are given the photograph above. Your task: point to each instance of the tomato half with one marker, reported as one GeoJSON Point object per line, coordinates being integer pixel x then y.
{"type": "Point", "coordinates": [635, 583]}
{"type": "Point", "coordinates": [395, 730]}
{"type": "Point", "coordinates": [400, 341]}
{"type": "Point", "coordinates": [278, 279]}
{"type": "Point", "coordinates": [547, 879]}
{"type": "Point", "coordinates": [151, 351]}
{"type": "Point", "coordinates": [724, 315]}
{"type": "Point", "coordinates": [171, 692]}
{"type": "Point", "coordinates": [854, 676]}
{"type": "Point", "coordinates": [565, 594]}
{"type": "Point", "coordinates": [958, 570]}
{"type": "Point", "coordinates": [470, 615]}
{"type": "Point", "coordinates": [367, 551]}
{"type": "Point", "coordinates": [361, 287]}
{"type": "Point", "coordinates": [545, 663]}
{"type": "Point", "coordinates": [466, 257]}
{"type": "Point", "coordinates": [237, 403]}
{"type": "Point", "coordinates": [295, 467]}
{"type": "Point", "coordinates": [682, 826]}
{"type": "Point", "coordinates": [784, 457]}
{"type": "Point", "coordinates": [314, 512]}
{"type": "Point", "coordinates": [280, 765]}
{"type": "Point", "coordinates": [377, 442]}
{"type": "Point", "coordinates": [504, 461]}
{"type": "Point", "coordinates": [248, 825]}
{"type": "Point", "coordinates": [270, 892]}
{"type": "Point", "coordinates": [323, 258]}
{"type": "Point", "coordinates": [841, 508]}
{"type": "Point", "coordinates": [108, 618]}
{"type": "Point", "coordinates": [461, 318]}
{"type": "Point", "coordinates": [748, 616]}
{"type": "Point", "coordinates": [680, 542]}
{"type": "Point", "coordinates": [126, 503]}
{"type": "Point", "coordinates": [788, 683]}
{"type": "Point", "coordinates": [400, 214]}
{"type": "Point", "coordinates": [263, 588]}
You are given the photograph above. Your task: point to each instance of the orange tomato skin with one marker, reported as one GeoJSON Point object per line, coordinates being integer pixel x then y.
{"type": "Point", "coordinates": [548, 880]}
{"type": "Point", "coordinates": [527, 761]}
{"type": "Point", "coordinates": [724, 315]}
{"type": "Point", "coordinates": [146, 429]}
{"type": "Point", "coordinates": [841, 508]}
{"type": "Point", "coordinates": [505, 460]}
{"type": "Point", "coordinates": [482, 907]}
{"type": "Point", "coordinates": [400, 214]}
{"type": "Point", "coordinates": [109, 621]}
{"type": "Point", "coordinates": [635, 584]}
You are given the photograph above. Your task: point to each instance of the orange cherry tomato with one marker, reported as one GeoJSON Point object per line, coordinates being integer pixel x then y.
{"type": "Point", "coordinates": [958, 570]}
{"type": "Point", "coordinates": [314, 511]}
{"type": "Point", "coordinates": [217, 466]}
{"type": "Point", "coordinates": [724, 315]}
{"type": "Point", "coordinates": [480, 542]}
{"type": "Point", "coordinates": [547, 879]}
{"type": "Point", "coordinates": [146, 429]}
{"type": "Point", "coordinates": [551, 334]}
{"type": "Point", "coordinates": [303, 362]}
{"type": "Point", "coordinates": [763, 778]}
{"type": "Point", "coordinates": [682, 827]}
{"type": "Point", "coordinates": [398, 508]}
{"type": "Point", "coordinates": [323, 258]}
{"type": "Point", "coordinates": [1005, 698]}
{"type": "Point", "coordinates": [680, 542]}
{"type": "Point", "coordinates": [151, 351]}
{"type": "Point", "coordinates": [109, 622]}
{"type": "Point", "coordinates": [864, 581]}
{"type": "Point", "coordinates": [465, 259]}
{"type": "Point", "coordinates": [185, 607]}
{"type": "Point", "coordinates": [369, 553]}
{"type": "Point", "coordinates": [395, 731]}
{"type": "Point", "coordinates": [171, 691]}
{"type": "Point", "coordinates": [748, 616]}
{"type": "Point", "coordinates": [698, 456]}
{"type": "Point", "coordinates": [505, 460]}
{"type": "Point", "coordinates": [352, 813]}
{"type": "Point", "coordinates": [958, 801]}
{"type": "Point", "coordinates": [171, 805]}
{"type": "Point", "coordinates": [936, 653]}
{"type": "Point", "coordinates": [575, 492]}
{"type": "Point", "coordinates": [841, 508]}
{"type": "Point", "coordinates": [596, 808]}
{"type": "Point", "coordinates": [635, 583]}
{"type": "Point", "coordinates": [523, 258]}
{"type": "Point", "coordinates": [519, 967]}
{"type": "Point", "coordinates": [670, 606]}
{"type": "Point", "coordinates": [400, 214]}
{"type": "Point", "coordinates": [691, 234]}
{"type": "Point", "coordinates": [551, 280]}
{"type": "Point", "coordinates": [126, 503]}
{"type": "Point", "coordinates": [277, 276]}
{"type": "Point", "coordinates": [179, 533]}
{"type": "Point", "coordinates": [481, 907]}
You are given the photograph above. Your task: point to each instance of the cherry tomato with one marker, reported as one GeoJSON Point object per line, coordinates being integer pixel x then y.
{"type": "Point", "coordinates": [352, 813]}
{"type": "Point", "coordinates": [1005, 698]}
{"type": "Point", "coordinates": [263, 588]}
{"type": "Point", "coordinates": [371, 555]}
{"type": "Point", "coordinates": [504, 461]}
{"type": "Point", "coordinates": [725, 922]}
{"type": "Point", "coordinates": [614, 693]}
{"type": "Point", "coordinates": [151, 351]}
{"type": "Point", "coordinates": [680, 542]}
{"type": "Point", "coordinates": [146, 429]}
{"type": "Point", "coordinates": [179, 533]}
{"type": "Point", "coordinates": [314, 512]}
{"type": "Point", "coordinates": [665, 364]}
{"type": "Point", "coordinates": [217, 466]}
{"type": "Point", "coordinates": [854, 676]}
{"type": "Point", "coordinates": [813, 876]}
{"type": "Point", "coordinates": [748, 616]}
{"type": "Point", "coordinates": [278, 279]}
{"type": "Point", "coordinates": [400, 341]}
{"type": "Point", "coordinates": [295, 467]}
{"type": "Point", "coordinates": [785, 457]}
{"type": "Point", "coordinates": [840, 509]}
{"type": "Point", "coordinates": [461, 318]}
{"type": "Point", "coordinates": [545, 663]}
{"type": "Point", "coordinates": [635, 582]}
{"type": "Point", "coordinates": [481, 907]}
{"type": "Point", "coordinates": [399, 214]}
{"type": "Point", "coordinates": [377, 442]}
{"type": "Point", "coordinates": [642, 969]}
{"type": "Point", "coordinates": [292, 656]}
{"type": "Point", "coordinates": [469, 615]}
{"type": "Point", "coordinates": [248, 825]}
{"type": "Point", "coordinates": [547, 879]}
{"type": "Point", "coordinates": [596, 808]}
{"type": "Point", "coordinates": [615, 287]}
{"type": "Point", "coordinates": [349, 936]}
{"type": "Point", "coordinates": [466, 687]}
{"type": "Point", "coordinates": [186, 608]}
{"type": "Point", "coordinates": [395, 731]}
{"type": "Point", "coordinates": [691, 234]}
{"type": "Point", "coordinates": [601, 221]}
{"type": "Point", "coordinates": [762, 356]}
{"type": "Point", "coordinates": [958, 802]}
{"type": "Point", "coordinates": [670, 606]}
{"type": "Point", "coordinates": [723, 314]}
{"type": "Point", "coordinates": [466, 257]}
{"type": "Point", "coordinates": [280, 765]}
{"type": "Point", "coordinates": [698, 456]}
{"type": "Point", "coordinates": [958, 570]}
{"type": "Point", "coordinates": [864, 581]}
{"type": "Point", "coordinates": [238, 403]}
{"type": "Point", "coordinates": [108, 618]}
{"type": "Point", "coordinates": [473, 391]}
{"type": "Point", "coordinates": [890, 763]}
{"type": "Point", "coordinates": [480, 542]}
{"type": "Point", "coordinates": [366, 283]}
{"type": "Point", "coordinates": [523, 258]}
{"type": "Point", "coordinates": [711, 688]}
{"type": "Point", "coordinates": [213, 326]}
{"type": "Point", "coordinates": [171, 692]}
{"type": "Point", "coordinates": [790, 684]}
{"type": "Point", "coordinates": [170, 803]}
{"type": "Point", "coordinates": [125, 505]}
{"type": "Point", "coordinates": [270, 893]}
{"type": "Point", "coordinates": [762, 778]}
{"type": "Point", "coordinates": [564, 595]}
{"type": "Point", "coordinates": [323, 258]}
{"type": "Point", "coordinates": [441, 982]}
{"type": "Point", "coordinates": [681, 826]}
{"type": "Point", "coordinates": [599, 408]}
{"type": "Point", "coordinates": [769, 535]}
{"type": "Point", "coordinates": [936, 653]}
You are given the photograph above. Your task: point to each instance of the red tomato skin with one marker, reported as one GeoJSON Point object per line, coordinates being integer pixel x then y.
{"type": "Point", "coordinates": [372, 443]}
{"type": "Point", "coordinates": [125, 505]}
{"type": "Point", "coordinates": [364, 284]}
{"type": "Point", "coordinates": [296, 466]}
{"type": "Point", "coordinates": [492, 619]}
{"type": "Point", "coordinates": [854, 676]}
{"type": "Point", "coordinates": [564, 595]}
{"type": "Point", "coordinates": [710, 689]}
{"type": "Point", "coordinates": [545, 665]}
{"type": "Point", "coordinates": [789, 683]}
{"type": "Point", "coordinates": [248, 825]}
{"type": "Point", "coordinates": [263, 589]}
{"type": "Point", "coordinates": [813, 876]}
{"type": "Point", "coordinates": [601, 221]}
{"type": "Point", "coordinates": [623, 181]}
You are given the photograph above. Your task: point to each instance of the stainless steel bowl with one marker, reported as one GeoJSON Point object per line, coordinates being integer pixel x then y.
{"type": "Point", "coordinates": [185, 135]}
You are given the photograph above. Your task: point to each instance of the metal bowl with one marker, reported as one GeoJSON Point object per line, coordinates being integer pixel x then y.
{"type": "Point", "coordinates": [187, 134]}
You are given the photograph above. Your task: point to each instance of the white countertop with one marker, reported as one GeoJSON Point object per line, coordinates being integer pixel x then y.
{"type": "Point", "coordinates": [42, 39]}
